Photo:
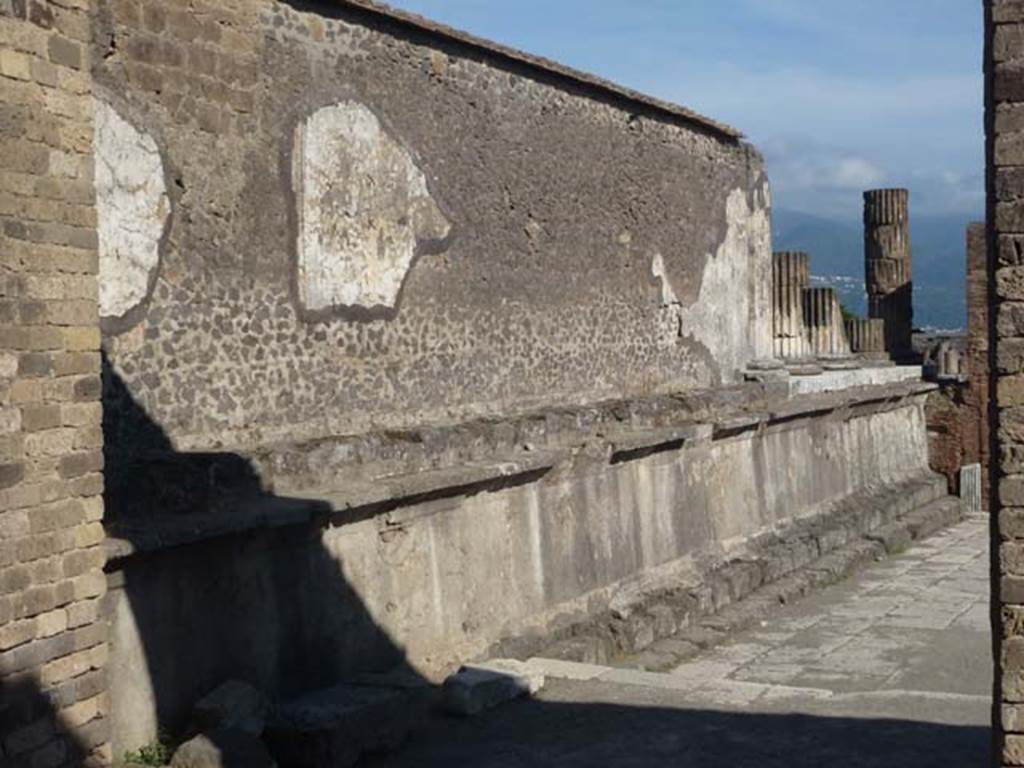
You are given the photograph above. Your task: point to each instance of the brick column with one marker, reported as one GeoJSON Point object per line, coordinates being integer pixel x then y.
{"type": "Point", "coordinates": [1004, 128]}
{"type": "Point", "coordinates": [53, 643]}
{"type": "Point", "coordinates": [887, 270]}
{"type": "Point", "coordinates": [976, 393]}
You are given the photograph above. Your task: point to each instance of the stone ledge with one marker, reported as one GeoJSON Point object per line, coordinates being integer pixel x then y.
{"type": "Point", "coordinates": [620, 425]}
{"type": "Point", "coordinates": [533, 445]}
{"type": "Point", "coordinates": [129, 537]}
{"type": "Point", "coordinates": [832, 380]}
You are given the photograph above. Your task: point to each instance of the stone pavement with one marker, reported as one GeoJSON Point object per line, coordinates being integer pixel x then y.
{"type": "Point", "coordinates": [891, 668]}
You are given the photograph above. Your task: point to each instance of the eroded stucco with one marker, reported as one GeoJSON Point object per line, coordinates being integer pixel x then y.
{"type": "Point", "coordinates": [732, 314]}
{"type": "Point", "coordinates": [363, 208]}
{"type": "Point", "coordinates": [131, 207]}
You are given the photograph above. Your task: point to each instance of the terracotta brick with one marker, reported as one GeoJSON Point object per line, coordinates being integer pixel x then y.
{"type": "Point", "coordinates": [89, 535]}
{"type": "Point", "coordinates": [82, 613]}
{"type": "Point", "coordinates": [1004, 11]}
{"type": "Point", "coordinates": [80, 561]}
{"type": "Point", "coordinates": [89, 585]}
{"type": "Point", "coordinates": [82, 712]}
{"type": "Point", "coordinates": [84, 338]}
{"type": "Point", "coordinates": [15, 64]}
{"type": "Point", "coordinates": [15, 633]}
{"type": "Point", "coordinates": [81, 414]}
{"type": "Point", "coordinates": [11, 474]}
{"type": "Point", "coordinates": [39, 417]}
{"type": "Point", "coordinates": [73, 465]}
{"type": "Point", "coordinates": [66, 667]}
{"type": "Point", "coordinates": [65, 53]}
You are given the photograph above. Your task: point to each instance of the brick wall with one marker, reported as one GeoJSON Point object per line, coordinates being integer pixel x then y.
{"type": "Point", "coordinates": [1004, 123]}
{"type": "Point", "coordinates": [952, 432]}
{"type": "Point", "coordinates": [52, 641]}
{"type": "Point", "coordinates": [957, 412]}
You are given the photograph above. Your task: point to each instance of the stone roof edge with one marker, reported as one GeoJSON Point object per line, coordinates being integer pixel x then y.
{"type": "Point", "coordinates": [659, 106]}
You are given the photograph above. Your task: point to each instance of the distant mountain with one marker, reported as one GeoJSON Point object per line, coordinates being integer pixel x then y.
{"type": "Point", "coordinates": [837, 251]}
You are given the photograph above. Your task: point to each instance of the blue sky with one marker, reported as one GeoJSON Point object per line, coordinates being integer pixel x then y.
{"type": "Point", "coordinates": [839, 95]}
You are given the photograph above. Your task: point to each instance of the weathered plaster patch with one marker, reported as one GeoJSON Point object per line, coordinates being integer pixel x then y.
{"type": "Point", "coordinates": [363, 206]}
{"type": "Point", "coordinates": [732, 314]}
{"type": "Point", "coordinates": [132, 207]}
{"type": "Point", "coordinates": [668, 294]}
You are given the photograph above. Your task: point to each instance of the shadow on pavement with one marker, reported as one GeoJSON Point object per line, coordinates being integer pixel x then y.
{"type": "Point", "coordinates": [600, 733]}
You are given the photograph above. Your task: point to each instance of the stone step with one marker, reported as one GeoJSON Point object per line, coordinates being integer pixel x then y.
{"type": "Point", "coordinates": [835, 566]}
{"type": "Point", "coordinates": [784, 564]}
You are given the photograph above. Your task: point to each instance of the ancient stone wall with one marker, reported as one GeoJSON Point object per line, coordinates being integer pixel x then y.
{"type": "Point", "coordinates": [53, 649]}
{"type": "Point", "coordinates": [350, 221]}
{"type": "Point", "coordinates": [952, 432]}
{"type": "Point", "coordinates": [303, 592]}
{"type": "Point", "coordinates": [393, 321]}
{"type": "Point", "coordinates": [1004, 123]}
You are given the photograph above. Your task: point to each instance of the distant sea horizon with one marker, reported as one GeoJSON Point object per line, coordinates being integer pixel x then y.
{"type": "Point", "coordinates": [836, 248]}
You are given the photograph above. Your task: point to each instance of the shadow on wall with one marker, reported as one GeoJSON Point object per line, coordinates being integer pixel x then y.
{"type": "Point", "coordinates": [218, 580]}
{"type": "Point", "coordinates": [31, 733]}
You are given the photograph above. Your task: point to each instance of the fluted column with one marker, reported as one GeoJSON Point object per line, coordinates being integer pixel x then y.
{"type": "Point", "coordinates": [824, 320]}
{"type": "Point", "coordinates": [887, 266]}
{"type": "Point", "coordinates": [866, 336]}
{"type": "Point", "coordinates": [790, 276]}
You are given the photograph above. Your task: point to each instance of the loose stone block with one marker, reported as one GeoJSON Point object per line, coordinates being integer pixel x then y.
{"type": "Point", "coordinates": [473, 689]}
{"type": "Point", "coordinates": [234, 704]}
{"type": "Point", "coordinates": [223, 748]}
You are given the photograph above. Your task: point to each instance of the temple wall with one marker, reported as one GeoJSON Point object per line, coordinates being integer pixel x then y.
{"type": "Point", "coordinates": [350, 222]}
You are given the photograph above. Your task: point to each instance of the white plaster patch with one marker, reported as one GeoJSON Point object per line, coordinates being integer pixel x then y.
{"type": "Point", "coordinates": [668, 294]}
{"type": "Point", "coordinates": [362, 206]}
{"type": "Point", "coordinates": [732, 314]}
{"type": "Point", "coordinates": [131, 208]}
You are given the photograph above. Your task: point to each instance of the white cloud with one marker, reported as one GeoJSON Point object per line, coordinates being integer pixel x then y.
{"type": "Point", "coordinates": [771, 100]}
{"type": "Point", "coordinates": [827, 136]}
{"type": "Point", "coordinates": [857, 173]}
{"type": "Point", "coordinates": [825, 179]}
{"type": "Point", "coordinates": [812, 176]}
